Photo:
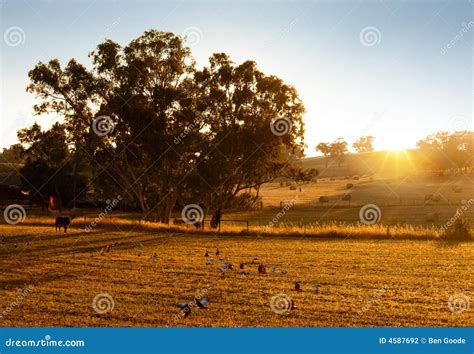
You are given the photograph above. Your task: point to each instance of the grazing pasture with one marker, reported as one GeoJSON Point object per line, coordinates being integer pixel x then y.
{"type": "Point", "coordinates": [401, 200]}
{"type": "Point", "coordinates": [138, 277]}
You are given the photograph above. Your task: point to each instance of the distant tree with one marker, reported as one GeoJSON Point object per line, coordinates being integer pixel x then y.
{"type": "Point", "coordinates": [48, 170]}
{"type": "Point", "coordinates": [338, 150]}
{"type": "Point", "coordinates": [13, 154]}
{"type": "Point", "coordinates": [364, 144]}
{"type": "Point", "coordinates": [302, 176]}
{"type": "Point", "coordinates": [325, 149]}
{"type": "Point", "coordinates": [444, 151]}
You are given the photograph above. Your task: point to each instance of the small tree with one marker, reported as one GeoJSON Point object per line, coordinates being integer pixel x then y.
{"type": "Point", "coordinates": [364, 144]}
{"type": "Point", "coordinates": [325, 149]}
{"type": "Point", "coordinates": [338, 150]}
{"type": "Point", "coordinates": [460, 230]}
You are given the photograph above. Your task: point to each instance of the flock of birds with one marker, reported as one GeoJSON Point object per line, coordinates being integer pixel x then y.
{"type": "Point", "coordinates": [15, 245]}
{"type": "Point", "coordinates": [262, 268]}
{"type": "Point", "coordinates": [203, 302]}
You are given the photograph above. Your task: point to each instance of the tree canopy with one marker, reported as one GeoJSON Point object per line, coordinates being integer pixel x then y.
{"type": "Point", "coordinates": [154, 128]}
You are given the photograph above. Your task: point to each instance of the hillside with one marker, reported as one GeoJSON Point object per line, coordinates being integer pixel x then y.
{"type": "Point", "coordinates": [383, 163]}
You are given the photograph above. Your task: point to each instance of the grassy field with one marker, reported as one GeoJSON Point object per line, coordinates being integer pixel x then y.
{"type": "Point", "coordinates": [53, 280]}
{"type": "Point", "coordinates": [401, 200]}
{"type": "Point", "coordinates": [398, 272]}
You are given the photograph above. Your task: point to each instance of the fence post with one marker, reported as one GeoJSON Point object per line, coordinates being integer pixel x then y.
{"type": "Point", "coordinates": [247, 226]}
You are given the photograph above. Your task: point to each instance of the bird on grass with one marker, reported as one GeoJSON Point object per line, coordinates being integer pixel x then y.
{"type": "Point", "coordinates": [15, 245]}
{"type": "Point", "coordinates": [210, 261]}
{"type": "Point", "coordinates": [254, 258]}
{"type": "Point", "coordinates": [226, 266]}
{"type": "Point", "coordinates": [298, 286]}
{"type": "Point", "coordinates": [315, 288]}
{"type": "Point", "coordinates": [242, 265]}
{"type": "Point", "coordinates": [187, 306]}
{"type": "Point", "coordinates": [203, 303]}
{"type": "Point", "coordinates": [154, 256]}
{"type": "Point", "coordinates": [138, 252]}
{"type": "Point", "coordinates": [2, 238]}
{"type": "Point", "coordinates": [206, 254]}
{"type": "Point", "coordinates": [262, 269]}
{"type": "Point", "coordinates": [283, 271]}
{"type": "Point", "coordinates": [185, 309]}
{"type": "Point", "coordinates": [27, 243]}
{"type": "Point", "coordinates": [217, 252]}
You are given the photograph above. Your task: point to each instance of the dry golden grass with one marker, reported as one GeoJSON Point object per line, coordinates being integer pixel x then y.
{"type": "Point", "coordinates": [363, 282]}
{"type": "Point", "coordinates": [260, 227]}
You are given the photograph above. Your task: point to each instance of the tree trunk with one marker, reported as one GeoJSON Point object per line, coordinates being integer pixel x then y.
{"type": "Point", "coordinates": [74, 183]}
{"type": "Point", "coordinates": [166, 208]}
{"type": "Point", "coordinates": [142, 201]}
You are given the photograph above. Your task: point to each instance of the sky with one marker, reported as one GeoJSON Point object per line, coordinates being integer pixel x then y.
{"type": "Point", "coordinates": [396, 70]}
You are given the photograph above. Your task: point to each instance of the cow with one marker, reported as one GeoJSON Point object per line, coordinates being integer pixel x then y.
{"type": "Point", "coordinates": [63, 221]}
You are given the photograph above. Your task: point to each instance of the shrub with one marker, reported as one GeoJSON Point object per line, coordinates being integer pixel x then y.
{"type": "Point", "coordinates": [459, 230]}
